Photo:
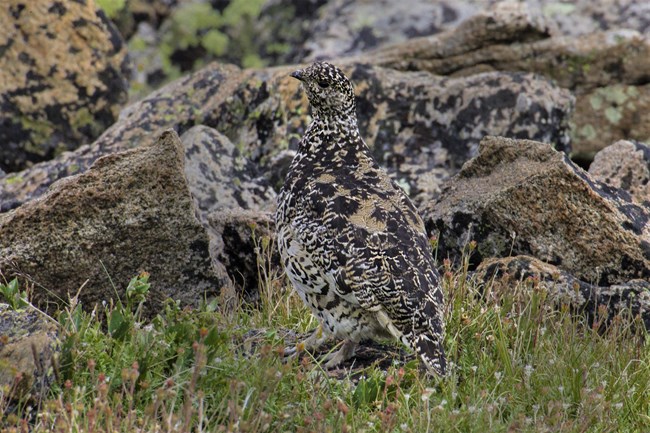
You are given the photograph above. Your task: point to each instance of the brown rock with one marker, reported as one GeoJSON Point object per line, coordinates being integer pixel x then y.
{"type": "Point", "coordinates": [520, 197]}
{"type": "Point", "coordinates": [130, 212]}
{"type": "Point", "coordinates": [627, 300]}
{"type": "Point", "coordinates": [626, 165]}
{"type": "Point", "coordinates": [30, 341]}
{"type": "Point", "coordinates": [62, 78]}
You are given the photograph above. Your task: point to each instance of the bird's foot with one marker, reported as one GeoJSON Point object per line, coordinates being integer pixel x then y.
{"type": "Point", "coordinates": [343, 354]}
{"type": "Point", "coordinates": [311, 343]}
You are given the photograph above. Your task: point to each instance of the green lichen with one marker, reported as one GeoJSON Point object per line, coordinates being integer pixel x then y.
{"type": "Point", "coordinates": [587, 132]}
{"type": "Point", "coordinates": [111, 7]}
{"type": "Point", "coordinates": [559, 8]}
{"type": "Point", "coordinates": [12, 179]}
{"type": "Point", "coordinates": [613, 115]}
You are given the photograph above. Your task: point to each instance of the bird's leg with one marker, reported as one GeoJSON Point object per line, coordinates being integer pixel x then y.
{"type": "Point", "coordinates": [343, 354]}
{"type": "Point", "coordinates": [313, 342]}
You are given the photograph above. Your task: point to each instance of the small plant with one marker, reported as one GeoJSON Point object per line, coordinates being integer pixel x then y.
{"type": "Point", "coordinates": [12, 295]}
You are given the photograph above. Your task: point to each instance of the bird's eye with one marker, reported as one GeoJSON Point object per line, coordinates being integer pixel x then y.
{"type": "Point", "coordinates": [323, 84]}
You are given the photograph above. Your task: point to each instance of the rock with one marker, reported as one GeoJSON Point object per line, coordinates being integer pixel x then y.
{"type": "Point", "coordinates": [606, 70]}
{"type": "Point", "coordinates": [350, 27]}
{"type": "Point", "coordinates": [180, 105]}
{"type": "Point", "coordinates": [218, 175]}
{"type": "Point", "coordinates": [429, 138]}
{"type": "Point", "coordinates": [610, 113]}
{"type": "Point", "coordinates": [580, 17]}
{"type": "Point", "coordinates": [628, 300]}
{"type": "Point", "coordinates": [63, 80]}
{"type": "Point", "coordinates": [626, 165]}
{"type": "Point", "coordinates": [244, 241]}
{"type": "Point", "coordinates": [130, 212]}
{"type": "Point", "coordinates": [421, 127]}
{"type": "Point", "coordinates": [28, 345]}
{"type": "Point", "coordinates": [520, 197]}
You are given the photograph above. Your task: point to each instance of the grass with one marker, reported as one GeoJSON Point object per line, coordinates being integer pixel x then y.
{"type": "Point", "coordinates": [518, 363]}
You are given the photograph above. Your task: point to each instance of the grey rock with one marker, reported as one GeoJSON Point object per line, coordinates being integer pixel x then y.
{"type": "Point", "coordinates": [218, 175]}
{"type": "Point", "coordinates": [63, 72]}
{"type": "Point", "coordinates": [30, 344]}
{"type": "Point", "coordinates": [130, 212]}
{"type": "Point", "coordinates": [520, 197]}
{"type": "Point", "coordinates": [600, 305]}
{"type": "Point", "coordinates": [606, 70]}
{"type": "Point", "coordinates": [350, 27]}
{"type": "Point", "coordinates": [626, 165]}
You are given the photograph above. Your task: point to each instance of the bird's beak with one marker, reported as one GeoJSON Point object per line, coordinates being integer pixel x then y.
{"type": "Point", "coordinates": [297, 74]}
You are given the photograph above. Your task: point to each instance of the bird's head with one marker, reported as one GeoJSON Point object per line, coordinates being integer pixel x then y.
{"type": "Point", "coordinates": [329, 91]}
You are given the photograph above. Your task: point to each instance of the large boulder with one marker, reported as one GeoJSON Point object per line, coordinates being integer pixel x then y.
{"type": "Point", "coordinates": [600, 305]}
{"type": "Point", "coordinates": [420, 126]}
{"type": "Point", "coordinates": [180, 106]}
{"type": "Point", "coordinates": [520, 197]}
{"type": "Point", "coordinates": [130, 212]}
{"type": "Point", "coordinates": [606, 70]}
{"type": "Point", "coordinates": [30, 341]}
{"type": "Point", "coordinates": [626, 165]}
{"type": "Point", "coordinates": [63, 79]}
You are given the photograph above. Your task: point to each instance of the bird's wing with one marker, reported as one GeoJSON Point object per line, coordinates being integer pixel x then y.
{"type": "Point", "coordinates": [374, 245]}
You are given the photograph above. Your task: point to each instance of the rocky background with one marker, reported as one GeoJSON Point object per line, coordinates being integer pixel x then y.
{"type": "Point", "coordinates": [153, 135]}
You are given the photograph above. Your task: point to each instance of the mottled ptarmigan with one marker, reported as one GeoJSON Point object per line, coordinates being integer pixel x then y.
{"type": "Point", "coordinates": [351, 241]}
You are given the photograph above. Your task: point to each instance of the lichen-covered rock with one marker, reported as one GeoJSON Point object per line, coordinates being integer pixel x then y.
{"type": "Point", "coordinates": [180, 106]}
{"type": "Point", "coordinates": [350, 27]}
{"type": "Point", "coordinates": [520, 197]}
{"type": "Point", "coordinates": [606, 70]}
{"type": "Point", "coordinates": [421, 127]}
{"type": "Point", "coordinates": [600, 304]}
{"type": "Point", "coordinates": [131, 212]}
{"type": "Point", "coordinates": [218, 175]}
{"type": "Point", "coordinates": [610, 113]}
{"type": "Point", "coordinates": [580, 17]}
{"type": "Point", "coordinates": [27, 348]}
{"type": "Point", "coordinates": [244, 242]}
{"type": "Point", "coordinates": [626, 165]}
{"type": "Point", "coordinates": [62, 78]}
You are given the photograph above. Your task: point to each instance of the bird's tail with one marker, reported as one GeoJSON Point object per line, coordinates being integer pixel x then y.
{"type": "Point", "coordinates": [429, 349]}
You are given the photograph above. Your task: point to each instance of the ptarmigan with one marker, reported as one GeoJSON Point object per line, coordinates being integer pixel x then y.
{"type": "Point", "coordinates": [351, 241]}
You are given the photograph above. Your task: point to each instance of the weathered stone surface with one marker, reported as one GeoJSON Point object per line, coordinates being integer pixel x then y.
{"type": "Point", "coordinates": [130, 212]}
{"type": "Point", "coordinates": [519, 197]}
{"type": "Point", "coordinates": [610, 113]}
{"type": "Point", "coordinates": [244, 242]}
{"type": "Point", "coordinates": [628, 299]}
{"type": "Point", "coordinates": [29, 342]}
{"type": "Point", "coordinates": [218, 175]}
{"type": "Point", "coordinates": [580, 17]}
{"type": "Point", "coordinates": [605, 70]}
{"type": "Point", "coordinates": [626, 165]}
{"type": "Point", "coordinates": [180, 106]}
{"type": "Point", "coordinates": [421, 127]}
{"type": "Point", "coordinates": [350, 27]}
{"type": "Point", "coordinates": [62, 78]}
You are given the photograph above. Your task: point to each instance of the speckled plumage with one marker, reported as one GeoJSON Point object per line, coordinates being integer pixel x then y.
{"type": "Point", "coordinates": [351, 241]}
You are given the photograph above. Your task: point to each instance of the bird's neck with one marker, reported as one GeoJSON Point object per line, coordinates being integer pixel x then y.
{"type": "Point", "coordinates": [332, 133]}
